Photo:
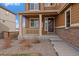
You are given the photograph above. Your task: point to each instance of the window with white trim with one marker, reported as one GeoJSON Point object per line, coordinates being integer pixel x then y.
{"type": "Point", "coordinates": [34, 6]}
{"type": "Point", "coordinates": [68, 18]}
{"type": "Point", "coordinates": [34, 23]}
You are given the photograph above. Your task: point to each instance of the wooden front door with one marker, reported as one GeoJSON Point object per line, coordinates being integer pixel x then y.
{"type": "Point", "coordinates": [50, 25]}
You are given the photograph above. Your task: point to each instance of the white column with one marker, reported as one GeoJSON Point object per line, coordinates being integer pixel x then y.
{"type": "Point", "coordinates": [20, 37]}
{"type": "Point", "coordinates": [40, 26]}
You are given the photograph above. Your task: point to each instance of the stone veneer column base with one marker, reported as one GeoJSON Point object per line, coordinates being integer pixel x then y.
{"type": "Point", "coordinates": [20, 37]}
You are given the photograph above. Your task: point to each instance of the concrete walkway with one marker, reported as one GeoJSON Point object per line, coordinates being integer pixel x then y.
{"type": "Point", "coordinates": [63, 48]}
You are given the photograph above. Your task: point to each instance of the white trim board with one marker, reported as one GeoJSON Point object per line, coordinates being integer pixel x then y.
{"type": "Point", "coordinates": [69, 9]}
{"type": "Point", "coordinates": [60, 27]}
{"type": "Point", "coordinates": [30, 22]}
{"type": "Point", "coordinates": [72, 25]}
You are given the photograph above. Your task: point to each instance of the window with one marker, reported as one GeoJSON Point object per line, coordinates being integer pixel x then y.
{"type": "Point", "coordinates": [68, 18]}
{"type": "Point", "coordinates": [34, 6]}
{"type": "Point", "coordinates": [34, 23]}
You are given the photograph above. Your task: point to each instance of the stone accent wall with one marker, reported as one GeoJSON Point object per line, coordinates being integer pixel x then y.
{"type": "Point", "coordinates": [70, 35]}
{"type": "Point", "coordinates": [1, 35]}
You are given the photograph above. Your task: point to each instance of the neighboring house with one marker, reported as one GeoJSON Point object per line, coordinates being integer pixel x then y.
{"type": "Point", "coordinates": [7, 21]}
{"type": "Point", "coordinates": [50, 18]}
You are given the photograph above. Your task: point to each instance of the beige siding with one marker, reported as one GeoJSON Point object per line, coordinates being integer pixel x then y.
{"type": "Point", "coordinates": [30, 30]}
{"type": "Point", "coordinates": [10, 21]}
{"type": "Point", "coordinates": [43, 7]}
{"type": "Point", "coordinates": [33, 30]}
{"type": "Point", "coordinates": [60, 19]}
{"type": "Point", "coordinates": [27, 6]}
{"type": "Point", "coordinates": [75, 13]}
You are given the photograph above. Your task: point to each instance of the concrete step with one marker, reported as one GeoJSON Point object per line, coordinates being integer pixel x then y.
{"type": "Point", "coordinates": [63, 48]}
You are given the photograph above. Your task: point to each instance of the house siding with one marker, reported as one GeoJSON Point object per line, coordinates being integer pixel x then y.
{"type": "Point", "coordinates": [57, 7]}
{"type": "Point", "coordinates": [7, 21]}
{"type": "Point", "coordinates": [75, 13]}
{"type": "Point", "coordinates": [27, 7]}
{"type": "Point", "coordinates": [60, 20]}
{"type": "Point", "coordinates": [42, 7]}
{"type": "Point", "coordinates": [69, 35]}
{"type": "Point", "coordinates": [30, 30]}
{"type": "Point", "coordinates": [34, 30]}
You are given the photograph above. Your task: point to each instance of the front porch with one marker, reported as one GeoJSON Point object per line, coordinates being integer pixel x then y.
{"type": "Point", "coordinates": [43, 37]}
{"type": "Point", "coordinates": [44, 23]}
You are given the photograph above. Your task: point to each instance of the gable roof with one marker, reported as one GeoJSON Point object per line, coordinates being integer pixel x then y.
{"type": "Point", "coordinates": [7, 10]}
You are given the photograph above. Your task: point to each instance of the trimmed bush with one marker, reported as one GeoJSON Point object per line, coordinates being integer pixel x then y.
{"type": "Point", "coordinates": [35, 41]}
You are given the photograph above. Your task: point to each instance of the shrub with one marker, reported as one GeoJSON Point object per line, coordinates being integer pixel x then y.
{"type": "Point", "coordinates": [25, 43]}
{"type": "Point", "coordinates": [35, 41]}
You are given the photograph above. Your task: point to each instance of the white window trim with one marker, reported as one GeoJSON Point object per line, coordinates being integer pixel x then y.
{"type": "Point", "coordinates": [34, 8]}
{"type": "Point", "coordinates": [47, 24]}
{"type": "Point", "coordinates": [66, 18]}
{"type": "Point", "coordinates": [30, 22]}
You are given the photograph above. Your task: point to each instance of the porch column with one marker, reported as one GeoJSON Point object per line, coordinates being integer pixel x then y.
{"type": "Point", "coordinates": [20, 28]}
{"type": "Point", "coordinates": [40, 24]}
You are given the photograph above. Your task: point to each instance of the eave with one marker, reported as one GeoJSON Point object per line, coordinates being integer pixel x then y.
{"type": "Point", "coordinates": [7, 10]}
{"type": "Point", "coordinates": [64, 7]}
{"type": "Point", "coordinates": [53, 12]}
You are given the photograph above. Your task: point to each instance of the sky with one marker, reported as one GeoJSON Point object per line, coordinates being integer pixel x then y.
{"type": "Point", "coordinates": [15, 8]}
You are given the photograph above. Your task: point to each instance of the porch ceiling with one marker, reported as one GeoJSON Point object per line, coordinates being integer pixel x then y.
{"type": "Point", "coordinates": [36, 13]}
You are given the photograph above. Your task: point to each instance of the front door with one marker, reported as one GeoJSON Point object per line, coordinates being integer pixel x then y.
{"type": "Point", "coordinates": [50, 25]}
